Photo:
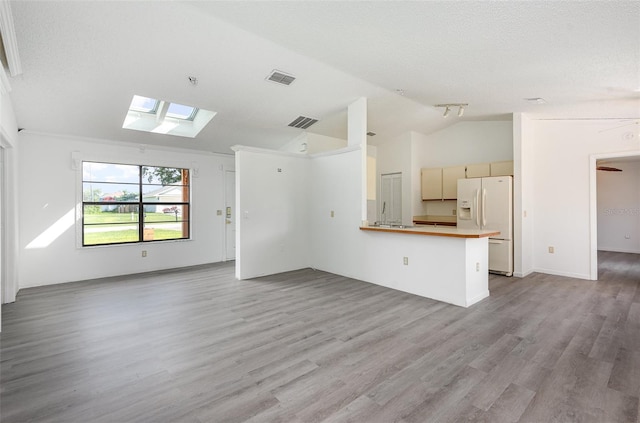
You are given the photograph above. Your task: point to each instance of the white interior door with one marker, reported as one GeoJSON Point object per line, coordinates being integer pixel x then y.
{"type": "Point", "coordinates": [391, 198]}
{"type": "Point", "coordinates": [229, 218]}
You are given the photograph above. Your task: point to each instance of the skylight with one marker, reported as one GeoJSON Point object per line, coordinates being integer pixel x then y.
{"type": "Point", "coordinates": [162, 117]}
{"type": "Point", "coordinates": [144, 104]}
{"type": "Point", "coordinates": [180, 111]}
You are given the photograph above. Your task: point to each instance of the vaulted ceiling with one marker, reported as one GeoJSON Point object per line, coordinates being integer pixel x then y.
{"type": "Point", "coordinates": [83, 61]}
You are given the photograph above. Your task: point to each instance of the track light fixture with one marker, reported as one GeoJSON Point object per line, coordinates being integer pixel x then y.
{"type": "Point", "coordinates": [447, 108]}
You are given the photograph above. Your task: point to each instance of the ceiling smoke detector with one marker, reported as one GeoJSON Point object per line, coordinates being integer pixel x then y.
{"type": "Point", "coordinates": [280, 77]}
{"type": "Point", "coordinates": [302, 122]}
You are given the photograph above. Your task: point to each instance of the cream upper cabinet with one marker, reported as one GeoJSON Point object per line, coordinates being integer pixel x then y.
{"type": "Point", "coordinates": [502, 168]}
{"type": "Point", "coordinates": [431, 183]}
{"type": "Point", "coordinates": [478, 170]}
{"type": "Point", "coordinates": [450, 176]}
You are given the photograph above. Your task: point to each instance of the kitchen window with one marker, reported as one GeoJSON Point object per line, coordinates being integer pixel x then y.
{"type": "Point", "coordinates": [123, 203]}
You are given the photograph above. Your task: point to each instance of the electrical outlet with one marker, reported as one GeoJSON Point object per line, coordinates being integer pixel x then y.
{"type": "Point", "coordinates": [218, 212]}
{"type": "Point", "coordinates": [627, 236]}
{"type": "Point", "coordinates": [405, 260]}
{"type": "Point", "coordinates": [453, 212]}
{"type": "Point", "coordinates": [551, 250]}
{"type": "Point", "coordinates": [144, 253]}
{"type": "Point", "coordinates": [477, 267]}
{"type": "Point", "coordinates": [332, 213]}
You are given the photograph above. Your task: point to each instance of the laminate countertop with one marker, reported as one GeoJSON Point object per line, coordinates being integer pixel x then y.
{"type": "Point", "coordinates": [447, 231]}
{"type": "Point", "coordinates": [434, 220]}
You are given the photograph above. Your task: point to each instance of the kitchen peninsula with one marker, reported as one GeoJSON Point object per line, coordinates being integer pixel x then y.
{"type": "Point", "coordinates": [439, 262]}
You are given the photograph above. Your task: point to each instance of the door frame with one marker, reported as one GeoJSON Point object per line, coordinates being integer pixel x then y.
{"type": "Point", "coordinates": [227, 177]}
{"type": "Point", "coordinates": [593, 205]}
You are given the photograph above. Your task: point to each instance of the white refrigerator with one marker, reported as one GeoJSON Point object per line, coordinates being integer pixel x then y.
{"type": "Point", "coordinates": [487, 203]}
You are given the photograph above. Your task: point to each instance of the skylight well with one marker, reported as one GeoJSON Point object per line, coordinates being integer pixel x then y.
{"type": "Point", "coordinates": [162, 117]}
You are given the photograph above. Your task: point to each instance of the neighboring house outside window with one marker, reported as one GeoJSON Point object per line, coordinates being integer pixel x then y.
{"type": "Point", "coordinates": [115, 194]}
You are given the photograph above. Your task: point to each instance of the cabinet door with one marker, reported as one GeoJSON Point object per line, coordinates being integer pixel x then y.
{"type": "Point", "coordinates": [450, 176]}
{"type": "Point", "coordinates": [478, 170]}
{"type": "Point", "coordinates": [431, 184]}
{"type": "Point", "coordinates": [502, 168]}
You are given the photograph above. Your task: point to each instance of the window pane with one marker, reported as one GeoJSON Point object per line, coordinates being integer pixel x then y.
{"type": "Point", "coordinates": [110, 214]}
{"type": "Point", "coordinates": [159, 194]}
{"type": "Point", "coordinates": [144, 104]}
{"type": "Point", "coordinates": [165, 212]}
{"type": "Point", "coordinates": [164, 175]}
{"type": "Point", "coordinates": [106, 192]}
{"type": "Point", "coordinates": [109, 172]}
{"type": "Point", "coordinates": [180, 111]}
{"type": "Point", "coordinates": [166, 230]}
{"type": "Point", "coordinates": [110, 227]}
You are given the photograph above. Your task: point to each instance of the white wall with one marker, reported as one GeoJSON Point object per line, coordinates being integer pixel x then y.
{"type": "Point", "coordinates": [273, 208]}
{"type": "Point", "coordinates": [336, 244]}
{"type": "Point", "coordinates": [618, 206]}
{"type": "Point", "coordinates": [466, 142]}
{"type": "Point", "coordinates": [561, 155]}
{"type": "Point", "coordinates": [311, 143]}
{"type": "Point", "coordinates": [50, 192]}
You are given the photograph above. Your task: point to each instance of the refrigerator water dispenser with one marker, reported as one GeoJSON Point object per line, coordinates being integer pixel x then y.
{"type": "Point", "coordinates": [464, 210]}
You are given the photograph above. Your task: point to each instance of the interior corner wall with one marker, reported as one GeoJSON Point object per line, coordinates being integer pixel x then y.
{"type": "Point", "coordinates": [562, 152]}
{"type": "Point", "coordinates": [272, 218]}
{"type": "Point", "coordinates": [50, 191]}
{"type": "Point", "coordinates": [618, 204]}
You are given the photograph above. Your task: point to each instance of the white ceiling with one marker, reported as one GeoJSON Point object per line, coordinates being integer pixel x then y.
{"type": "Point", "coordinates": [83, 61]}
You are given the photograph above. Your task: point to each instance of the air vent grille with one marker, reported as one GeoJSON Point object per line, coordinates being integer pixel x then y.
{"type": "Point", "coordinates": [303, 122]}
{"type": "Point", "coordinates": [281, 78]}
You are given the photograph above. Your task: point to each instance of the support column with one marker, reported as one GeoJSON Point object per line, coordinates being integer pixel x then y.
{"type": "Point", "coordinates": [357, 136]}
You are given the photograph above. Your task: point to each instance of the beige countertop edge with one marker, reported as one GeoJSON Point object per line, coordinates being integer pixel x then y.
{"type": "Point", "coordinates": [435, 231]}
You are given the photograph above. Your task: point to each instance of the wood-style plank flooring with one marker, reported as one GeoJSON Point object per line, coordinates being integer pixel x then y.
{"type": "Point", "coordinates": [195, 345]}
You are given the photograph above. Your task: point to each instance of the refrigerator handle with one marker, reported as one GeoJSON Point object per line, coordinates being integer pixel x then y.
{"type": "Point", "coordinates": [484, 207]}
{"type": "Point", "coordinates": [475, 207]}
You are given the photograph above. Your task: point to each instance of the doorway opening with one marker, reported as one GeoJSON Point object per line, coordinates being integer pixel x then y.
{"type": "Point", "coordinates": [615, 205]}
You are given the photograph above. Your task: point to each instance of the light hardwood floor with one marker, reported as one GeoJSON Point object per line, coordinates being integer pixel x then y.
{"type": "Point", "coordinates": [195, 345]}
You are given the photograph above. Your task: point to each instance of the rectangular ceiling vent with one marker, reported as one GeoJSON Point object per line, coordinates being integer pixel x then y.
{"type": "Point", "coordinates": [303, 122]}
{"type": "Point", "coordinates": [281, 78]}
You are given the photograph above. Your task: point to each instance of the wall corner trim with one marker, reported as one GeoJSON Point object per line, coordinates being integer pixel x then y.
{"type": "Point", "coordinates": [8, 31]}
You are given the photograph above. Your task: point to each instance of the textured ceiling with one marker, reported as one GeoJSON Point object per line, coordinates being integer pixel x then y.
{"type": "Point", "coordinates": [83, 61]}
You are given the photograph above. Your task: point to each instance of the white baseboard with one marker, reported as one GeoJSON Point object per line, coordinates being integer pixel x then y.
{"type": "Point", "coordinates": [565, 274]}
{"type": "Point", "coordinates": [618, 250]}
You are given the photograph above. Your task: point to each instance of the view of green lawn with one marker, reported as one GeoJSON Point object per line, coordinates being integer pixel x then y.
{"type": "Point", "coordinates": [112, 217]}
{"type": "Point", "coordinates": [111, 227]}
